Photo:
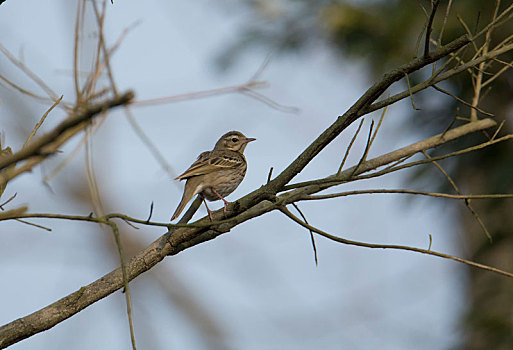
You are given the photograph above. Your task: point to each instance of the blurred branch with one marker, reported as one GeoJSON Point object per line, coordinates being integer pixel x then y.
{"type": "Point", "coordinates": [29, 73]}
{"type": "Point", "coordinates": [429, 27]}
{"type": "Point", "coordinates": [199, 94]}
{"type": "Point", "coordinates": [126, 287]}
{"type": "Point", "coordinates": [38, 125]}
{"type": "Point", "coordinates": [478, 85]}
{"type": "Point", "coordinates": [40, 147]}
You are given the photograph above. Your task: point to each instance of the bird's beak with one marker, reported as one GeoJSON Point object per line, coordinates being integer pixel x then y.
{"type": "Point", "coordinates": [249, 139]}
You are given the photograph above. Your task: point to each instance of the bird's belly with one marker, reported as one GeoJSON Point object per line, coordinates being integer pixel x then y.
{"type": "Point", "coordinates": [224, 185]}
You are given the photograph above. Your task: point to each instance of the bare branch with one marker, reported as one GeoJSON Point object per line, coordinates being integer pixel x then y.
{"type": "Point", "coordinates": [198, 94]}
{"type": "Point", "coordinates": [312, 238]}
{"type": "Point", "coordinates": [434, 7]}
{"type": "Point", "coordinates": [407, 151]}
{"type": "Point", "coordinates": [37, 148]}
{"type": "Point", "coordinates": [403, 191]}
{"type": "Point", "coordinates": [38, 125]}
{"type": "Point", "coordinates": [456, 188]}
{"type": "Point", "coordinates": [393, 246]}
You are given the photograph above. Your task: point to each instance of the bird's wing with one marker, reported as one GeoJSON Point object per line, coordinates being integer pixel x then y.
{"type": "Point", "coordinates": [209, 162]}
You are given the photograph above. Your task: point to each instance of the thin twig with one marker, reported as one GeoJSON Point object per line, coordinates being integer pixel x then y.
{"type": "Point", "coordinates": [366, 151]}
{"type": "Point", "coordinates": [312, 238]}
{"type": "Point", "coordinates": [270, 174]}
{"type": "Point", "coordinates": [261, 68]}
{"type": "Point", "coordinates": [24, 91]}
{"type": "Point", "coordinates": [29, 73]}
{"type": "Point", "coordinates": [95, 125]}
{"type": "Point", "coordinates": [151, 213]}
{"type": "Point", "coordinates": [128, 298]}
{"type": "Point", "coordinates": [348, 149]}
{"type": "Point", "coordinates": [198, 94]}
{"type": "Point", "coordinates": [462, 101]}
{"type": "Point", "coordinates": [33, 224]}
{"type": "Point", "coordinates": [381, 118]}
{"type": "Point", "coordinates": [479, 79]}
{"type": "Point", "coordinates": [38, 125]}
{"type": "Point", "coordinates": [467, 201]}
{"type": "Point", "coordinates": [146, 140]}
{"type": "Point", "coordinates": [266, 100]}
{"type": "Point", "coordinates": [498, 130]}
{"type": "Point", "coordinates": [434, 7]}
{"type": "Point", "coordinates": [446, 16]}
{"type": "Point", "coordinates": [411, 94]}
{"type": "Point", "coordinates": [8, 201]}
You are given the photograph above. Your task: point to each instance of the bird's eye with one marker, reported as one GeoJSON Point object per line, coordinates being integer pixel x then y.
{"type": "Point", "coordinates": [235, 139]}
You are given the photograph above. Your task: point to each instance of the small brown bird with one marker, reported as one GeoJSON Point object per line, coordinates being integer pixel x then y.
{"type": "Point", "coordinates": [217, 173]}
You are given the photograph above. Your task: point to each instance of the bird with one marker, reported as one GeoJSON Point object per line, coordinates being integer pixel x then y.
{"type": "Point", "coordinates": [216, 173]}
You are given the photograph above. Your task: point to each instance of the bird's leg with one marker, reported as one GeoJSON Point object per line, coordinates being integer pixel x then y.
{"type": "Point", "coordinates": [208, 210]}
{"type": "Point", "coordinates": [221, 197]}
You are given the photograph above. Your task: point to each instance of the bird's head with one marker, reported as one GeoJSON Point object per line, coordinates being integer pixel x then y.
{"type": "Point", "coordinates": [233, 141]}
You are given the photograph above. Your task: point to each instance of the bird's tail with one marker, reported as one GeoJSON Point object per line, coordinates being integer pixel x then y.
{"type": "Point", "coordinates": [188, 193]}
{"type": "Point", "coordinates": [180, 207]}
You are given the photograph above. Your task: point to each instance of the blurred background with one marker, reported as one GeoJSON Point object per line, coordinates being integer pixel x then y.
{"type": "Point", "coordinates": [258, 286]}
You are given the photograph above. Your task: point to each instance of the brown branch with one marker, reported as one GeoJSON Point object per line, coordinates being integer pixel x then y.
{"type": "Point", "coordinates": [41, 121]}
{"type": "Point", "coordinates": [467, 200]}
{"type": "Point", "coordinates": [403, 191]}
{"type": "Point", "coordinates": [429, 27]}
{"type": "Point", "coordinates": [312, 238]}
{"type": "Point", "coordinates": [37, 148]}
{"type": "Point", "coordinates": [198, 94]}
{"type": "Point", "coordinates": [408, 151]}
{"type": "Point", "coordinates": [461, 100]}
{"type": "Point", "coordinates": [348, 149]}
{"type": "Point", "coordinates": [393, 246]}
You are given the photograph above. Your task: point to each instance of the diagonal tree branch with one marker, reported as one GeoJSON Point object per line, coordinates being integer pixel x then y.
{"type": "Point", "coordinates": [37, 147]}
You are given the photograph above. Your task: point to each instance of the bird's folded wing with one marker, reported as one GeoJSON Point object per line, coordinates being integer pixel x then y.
{"type": "Point", "coordinates": [208, 163]}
